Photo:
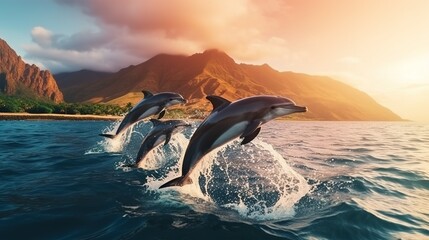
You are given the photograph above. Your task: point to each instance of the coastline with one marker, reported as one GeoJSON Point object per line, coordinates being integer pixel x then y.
{"type": "Point", "coordinates": [49, 116]}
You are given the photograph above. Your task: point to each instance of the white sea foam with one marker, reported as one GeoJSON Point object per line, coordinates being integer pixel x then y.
{"type": "Point", "coordinates": [107, 145]}
{"type": "Point", "coordinates": [272, 198]}
{"type": "Point", "coordinates": [252, 180]}
{"type": "Point", "coordinates": [161, 155]}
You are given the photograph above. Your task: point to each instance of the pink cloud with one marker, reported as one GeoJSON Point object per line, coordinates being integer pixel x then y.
{"type": "Point", "coordinates": [134, 30]}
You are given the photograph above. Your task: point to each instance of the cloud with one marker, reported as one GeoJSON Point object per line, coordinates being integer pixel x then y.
{"type": "Point", "coordinates": [42, 36]}
{"type": "Point", "coordinates": [85, 50]}
{"type": "Point", "coordinates": [81, 41]}
{"type": "Point", "coordinates": [131, 31]}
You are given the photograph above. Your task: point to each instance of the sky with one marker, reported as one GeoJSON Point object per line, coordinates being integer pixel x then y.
{"type": "Point", "coordinates": [380, 47]}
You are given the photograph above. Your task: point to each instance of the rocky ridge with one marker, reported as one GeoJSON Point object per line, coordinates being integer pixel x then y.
{"type": "Point", "coordinates": [20, 78]}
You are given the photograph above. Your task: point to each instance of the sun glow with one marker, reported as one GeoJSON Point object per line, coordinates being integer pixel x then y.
{"type": "Point", "coordinates": [410, 71]}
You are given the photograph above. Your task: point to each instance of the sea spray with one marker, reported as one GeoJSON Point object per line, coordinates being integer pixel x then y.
{"type": "Point", "coordinates": [165, 155]}
{"type": "Point", "coordinates": [252, 180]}
{"type": "Point", "coordinates": [115, 145]}
{"type": "Point", "coordinates": [274, 180]}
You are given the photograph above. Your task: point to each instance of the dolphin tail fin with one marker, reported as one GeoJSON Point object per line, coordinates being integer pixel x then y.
{"type": "Point", "coordinates": [130, 165]}
{"type": "Point", "coordinates": [111, 136]}
{"type": "Point", "coordinates": [155, 122]}
{"type": "Point", "coordinates": [180, 181]}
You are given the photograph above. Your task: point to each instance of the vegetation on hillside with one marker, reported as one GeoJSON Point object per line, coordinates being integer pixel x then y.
{"type": "Point", "coordinates": [15, 104]}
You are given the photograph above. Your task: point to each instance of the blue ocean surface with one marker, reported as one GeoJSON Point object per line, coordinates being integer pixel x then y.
{"type": "Point", "coordinates": [296, 180]}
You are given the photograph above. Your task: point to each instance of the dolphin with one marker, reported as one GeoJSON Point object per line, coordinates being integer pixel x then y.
{"type": "Point", "coordinates": [151, 104]}
{"type": "Point", "coordinates": [227, 121]}
{"type": "Point", "coordinates": [161, 131]}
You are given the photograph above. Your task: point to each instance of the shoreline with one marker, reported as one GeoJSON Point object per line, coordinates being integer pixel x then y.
{"type": "Point", "coordinates": [51, 116]}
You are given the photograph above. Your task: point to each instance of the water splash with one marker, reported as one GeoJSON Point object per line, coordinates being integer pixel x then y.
{"type": "Point", "coordinates": [165, 155]}
{"type": "Point", "coordinates": [116, 145]}
{"type": "Point", "coordinates": [168, 159]}
{"type": "Point", "coordinates": [252, 180]}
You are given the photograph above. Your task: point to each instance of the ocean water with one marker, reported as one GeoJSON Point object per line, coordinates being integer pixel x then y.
{"type": "Point", "coordinates": [296, 180]}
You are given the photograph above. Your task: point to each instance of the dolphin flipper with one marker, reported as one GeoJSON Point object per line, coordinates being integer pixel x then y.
{"type": "Point", "coordinates": [180, 181]}
{"type": "Point", "coordinates": [218, 102]}
{"type": "Point", "coordinates": [167, 138]}
{"type": "Point", "coordinates": [161, 114]}
{"type": "Point", "coordinates": [250, 137]}
{"type": "Point", "coordinates": [250, 128]}
{"type": "Point", "coordinates": [147, 94]}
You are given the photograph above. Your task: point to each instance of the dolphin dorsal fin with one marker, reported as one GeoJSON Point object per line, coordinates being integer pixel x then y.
{"type": "Point", "coordinates": [155, 122]}
{"type": "Point", "coordinates": [218, 102]}
{"type": "Point", "coordinates": [147, 93]}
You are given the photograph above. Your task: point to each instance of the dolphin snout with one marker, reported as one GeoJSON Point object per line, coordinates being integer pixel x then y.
{"type": "Point", "coordinates": [185, 124]}
{"type": "Point", "coordinates": [184, 100]}
{"type": "Point", "coordinates": [300, 109]}
{"type": "Point", "coordinates": [296, 108]}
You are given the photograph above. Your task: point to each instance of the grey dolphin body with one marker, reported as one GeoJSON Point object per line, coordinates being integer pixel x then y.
{"type": "Point", "coordinates": [151, 104]}
{"type": "Point", "coordinates": [161, 132]}
{"type": "Point", "coordinates": [242, 118]}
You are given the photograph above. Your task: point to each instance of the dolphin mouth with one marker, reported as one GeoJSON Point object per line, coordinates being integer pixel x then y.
{"type": "Point", "coordinates": [294, 108]}
{"type": "Point", "coordinates": [186, 125]}
{"type": "Point", "coordinates": [300, 109]}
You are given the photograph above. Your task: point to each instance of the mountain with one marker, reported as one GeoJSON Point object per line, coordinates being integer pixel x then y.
{"type": "Point", "coordinates": [214, 72]}
{"type": "Point", "coordinates": [19, 78]}
{"type": "Point", "coordinates": [71, 83]}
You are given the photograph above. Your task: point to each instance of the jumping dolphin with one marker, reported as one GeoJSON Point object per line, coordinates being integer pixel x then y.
{"type": "Point", "coordinates": [161, 131]}
{"type": "Point", "coordinates": [227, 121]}
{"type": "Point", "coordinates": [151, 104]}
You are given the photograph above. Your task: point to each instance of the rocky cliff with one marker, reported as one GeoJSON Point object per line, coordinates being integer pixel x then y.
{"type": "Point", "coordinates": [19, 78]}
